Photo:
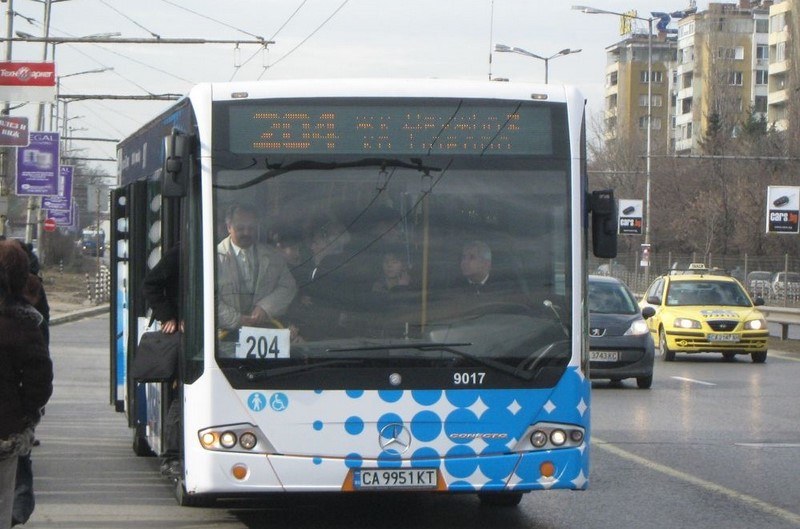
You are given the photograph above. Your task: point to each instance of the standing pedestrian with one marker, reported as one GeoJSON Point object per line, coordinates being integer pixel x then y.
{"type": "Point", "coordinates": [26, 372]}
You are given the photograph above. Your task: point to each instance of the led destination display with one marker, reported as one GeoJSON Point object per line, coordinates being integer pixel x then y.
{"type": "Point", "coordinates": [489, 128]}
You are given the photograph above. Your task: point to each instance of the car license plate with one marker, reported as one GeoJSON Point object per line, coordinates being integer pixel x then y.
{"type": "Point", "coordinates": [395, 478]}
{"type": "Point", "coordinates": [723, 337]}
{"type": "Point", "coordinates": [604, 356]}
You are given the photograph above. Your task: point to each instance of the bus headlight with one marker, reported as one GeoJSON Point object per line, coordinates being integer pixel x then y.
{"type": "Point", "coordinates": [248, 440]}
{"type": "Point", "coordinates": [550, 436]}
{"type": "Point", "coordinates": [242, 438]}
{"type": "Point", "coordinates": [227, 439]}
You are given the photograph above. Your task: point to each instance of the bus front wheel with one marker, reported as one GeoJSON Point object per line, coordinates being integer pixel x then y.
{"type": "Point", "coordinates": [500, 499]}
{"type": "Point", "coordinates": [185, 499]}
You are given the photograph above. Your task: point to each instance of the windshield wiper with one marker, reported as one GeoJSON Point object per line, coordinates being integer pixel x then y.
{"type": "Point", "coordinates": [532, 360]}
{"type": "Point", "coordinates": [448, 348]}
{"type": "Point", "coordinates": [278, 371]}
{"type": "Point", "coordinates": [313, 165]}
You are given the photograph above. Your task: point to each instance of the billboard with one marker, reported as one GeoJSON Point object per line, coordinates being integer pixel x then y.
{"type": "Point", "coordinates": [630, 217]}
{"type": "Point", "coordinates": [14, 131]}
{"type": "Point", "coordinates": [28, 81]}
{"type": "Point", "coordinates": [37, 165]}
{"type": "Point", "coordinates": [783, 209]}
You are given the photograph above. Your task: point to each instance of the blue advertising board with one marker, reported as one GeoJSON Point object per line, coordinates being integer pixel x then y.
{"type": "Point", "coordinates": [37, 165]}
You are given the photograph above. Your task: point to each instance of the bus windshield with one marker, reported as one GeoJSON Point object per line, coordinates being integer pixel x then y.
{"type": "Point", "coordinates": [379, 257]}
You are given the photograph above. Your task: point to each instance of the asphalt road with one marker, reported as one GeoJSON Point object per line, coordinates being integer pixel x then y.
{"type": "Point", "coordinates": [712, 444]}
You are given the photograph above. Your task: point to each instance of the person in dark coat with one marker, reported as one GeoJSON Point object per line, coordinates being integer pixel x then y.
{"type": "Point", "coordinates": [161, 288]}
{"type": "Point", "coordinates": [26, 372]}
{"type": "Point", "coordinates": [24, 499]}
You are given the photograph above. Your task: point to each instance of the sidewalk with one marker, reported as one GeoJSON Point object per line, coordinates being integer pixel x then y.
{"type": "Point", "coordinates": [61, 312]}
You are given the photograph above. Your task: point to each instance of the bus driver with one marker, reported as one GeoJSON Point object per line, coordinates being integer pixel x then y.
{"type": "Point", "coordinates": [253, 282]}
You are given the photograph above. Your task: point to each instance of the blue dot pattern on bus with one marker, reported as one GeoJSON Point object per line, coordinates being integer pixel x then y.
{"type": "Point", "coordinates": [441, 422]}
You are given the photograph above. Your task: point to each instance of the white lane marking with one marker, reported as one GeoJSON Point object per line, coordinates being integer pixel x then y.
{"type": "Point", "coordinates": [769, 445]}
{"type": "Point", "coordinates": [783, 357]}
{"type": "Point", "coordinates": [695, 381]}
{"type": "Point", "coordinates": [710, 486]}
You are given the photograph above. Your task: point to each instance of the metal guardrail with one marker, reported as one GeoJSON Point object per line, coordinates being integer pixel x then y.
{"type": "Point", "coordinates": [783, 322]}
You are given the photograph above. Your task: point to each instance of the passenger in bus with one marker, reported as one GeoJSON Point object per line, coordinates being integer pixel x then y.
{"type": "Point", "coordinates": [394, 272]}
{"type": "Point", "coordinates": [476, 269]}
{"type": "Point", "coordinates": [254, 284]}
{"type": "Point", "coordinates": [395, 294]}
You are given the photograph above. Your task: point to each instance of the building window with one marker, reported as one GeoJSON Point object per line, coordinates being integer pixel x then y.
{"type": "Point", "coordinates": [761, 77]}
{"type": "Point", "coordinates": [760, 104]}
{"type": "Point", "coordinates": [656, 123]}
{"type": "Point", "coordinates": [611, 79]}
{"type": "Point", "coordinates": [762, 52]}
{"type": "Point", "coordinates": [762, 25]}
{"type": "Point", "coordinates": [780, 52]}
{"type": "Point", "coordinates": [658, 77]}
{"type": "Point", "coordinates": [730, 54]}
{"type": "Point", "coordinates": [777, 23]}
{"type": "Point", "coordinates": [735, 78]}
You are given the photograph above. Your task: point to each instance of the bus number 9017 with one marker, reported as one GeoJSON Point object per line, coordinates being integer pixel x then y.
{"type": "Point", "coordinates": [468, 379]}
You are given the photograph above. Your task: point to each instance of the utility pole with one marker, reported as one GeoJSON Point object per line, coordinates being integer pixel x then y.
{"type": "Point", "coordinates": [5, 152]}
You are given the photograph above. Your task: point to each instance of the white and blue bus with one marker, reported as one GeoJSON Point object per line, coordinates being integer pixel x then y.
{"type": "Point", "coordinates": [356, 385]}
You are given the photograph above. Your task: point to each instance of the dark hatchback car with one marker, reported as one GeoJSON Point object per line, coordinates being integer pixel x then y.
{"type": "Point", "coordinates": [620, 345]}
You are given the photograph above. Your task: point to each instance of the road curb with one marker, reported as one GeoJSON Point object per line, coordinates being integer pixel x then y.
{"type": "Point", "coordinates": [79, 314]}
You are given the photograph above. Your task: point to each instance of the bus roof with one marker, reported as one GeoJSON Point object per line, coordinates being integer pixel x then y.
{"type": "Point", "coordinates": [299, 88]}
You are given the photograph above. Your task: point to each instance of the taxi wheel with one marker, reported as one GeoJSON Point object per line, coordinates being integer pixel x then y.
{"type": "Point", "coordinates": [644, 382]}
{"type": "Point", "coordinates": [668, 355]}
{"type": "Point", "coordinates": [728, 356]}
{"type": "Point", "coordinates": [759, 357]}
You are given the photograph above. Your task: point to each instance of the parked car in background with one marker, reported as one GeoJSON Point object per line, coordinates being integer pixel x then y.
{"type": "Point", "coordinates": [697, 311]}
{"type": "Point", "coordinates": [759, 284]}
{"type": "Point", "coordinates": [786, 284]}
{"type": "Point", "coordinates": [611, 269]}
{"type": "Point", "coordinates": [620, 345]}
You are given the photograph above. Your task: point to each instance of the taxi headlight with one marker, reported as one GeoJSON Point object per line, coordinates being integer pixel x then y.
{"type": "Point", "coordinates": [686, 323]}
{"type": "Point", "coordinates": [755, 325]}
{"type": "Point", "coordinates": [637, 328]}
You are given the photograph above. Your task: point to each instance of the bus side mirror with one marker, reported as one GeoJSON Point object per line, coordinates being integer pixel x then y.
{"type": "Point", "coordinates": [604, 223]}
{"type": "Point", "coordinates": [177, 163]}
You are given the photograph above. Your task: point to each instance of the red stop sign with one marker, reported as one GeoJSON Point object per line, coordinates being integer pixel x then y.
{"type": "Point", "coordinates": [50, 225]}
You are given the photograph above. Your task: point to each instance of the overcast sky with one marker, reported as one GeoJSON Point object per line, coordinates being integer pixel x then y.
{"type": "Point", "coordinates": [313, 38]}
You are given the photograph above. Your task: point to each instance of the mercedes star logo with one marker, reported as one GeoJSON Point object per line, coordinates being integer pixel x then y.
{"type": "Point", "coordinates": [394, 439]}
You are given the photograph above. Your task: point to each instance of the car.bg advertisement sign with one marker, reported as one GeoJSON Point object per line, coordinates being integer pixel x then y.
{"type": "Point", "coordinates": [630, 217]}
{"type": "Point", "coordinates": [783, 209]}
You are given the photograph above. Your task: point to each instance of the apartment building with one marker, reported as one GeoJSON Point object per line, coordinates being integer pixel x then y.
{"type": "Point", "coordinates": [627, 87]}
{"type": "Point", "coordinates": [715, 67]}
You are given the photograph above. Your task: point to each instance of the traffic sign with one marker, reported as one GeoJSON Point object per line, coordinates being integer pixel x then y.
{"type": "Point", "coordinates": [50, 225]}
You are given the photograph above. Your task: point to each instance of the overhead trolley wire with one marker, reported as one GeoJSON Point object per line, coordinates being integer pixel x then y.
{"type": "Point", "coordinates": [120, 13]}
{"type": "Point", "coordinates": [272, 38]}
{"type": "Point", "coordinates": [305, 39]}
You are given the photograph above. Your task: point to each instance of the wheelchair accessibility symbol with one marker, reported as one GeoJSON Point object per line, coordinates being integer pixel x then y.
{"type": "Point", "coordinates": [278, 402]}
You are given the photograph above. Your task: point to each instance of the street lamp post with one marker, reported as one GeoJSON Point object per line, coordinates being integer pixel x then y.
{"type": "Point", "coordinates": [58, 91]}
{"type": "Point", "coordinates": [502, 48]}
{"type": "Point", "coordinates": [595, 11]}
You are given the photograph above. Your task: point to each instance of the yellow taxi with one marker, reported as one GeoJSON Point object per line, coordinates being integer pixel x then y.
{"type": "Point", "coordinates": [704, 311]}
